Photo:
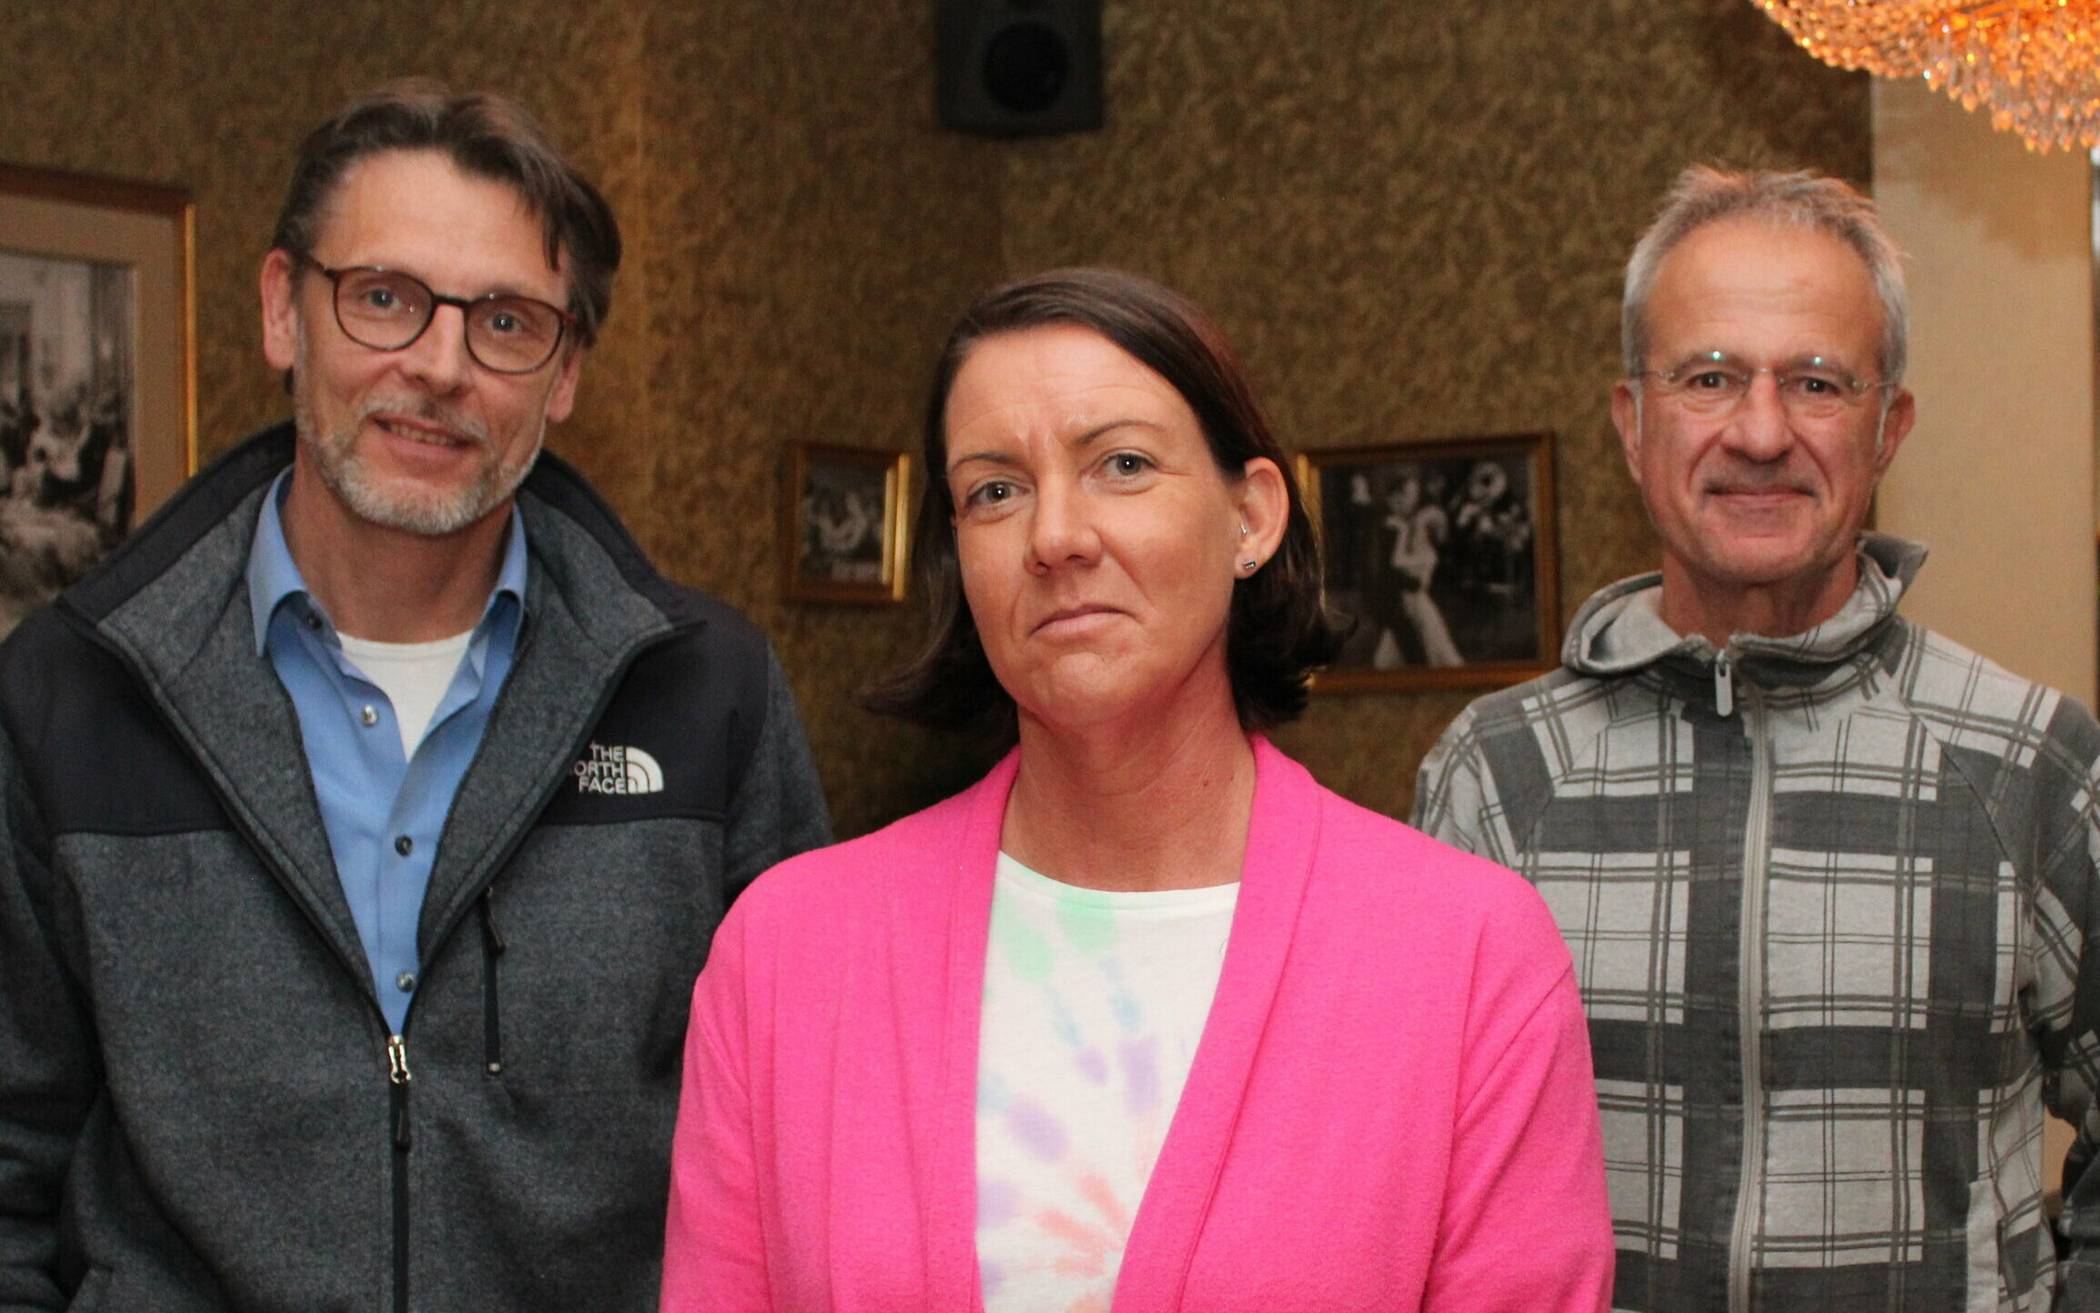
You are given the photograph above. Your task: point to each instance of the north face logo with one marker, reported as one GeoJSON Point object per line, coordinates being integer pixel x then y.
{"type": "Point", "coordinates": [618, 769]}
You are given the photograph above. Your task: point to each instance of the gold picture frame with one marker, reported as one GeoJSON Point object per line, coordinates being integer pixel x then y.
{"type": "Point", "coordinates": [98, 402]}
{"type": "Point", "coordinates": [843, 531]}
{"type": "Point", "coordinates": [1442, 557]}
{"type": "Point", "coordinates": [151, 229]}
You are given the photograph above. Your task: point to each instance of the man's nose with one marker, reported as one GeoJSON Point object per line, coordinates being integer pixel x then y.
{"type": "Point", "coordinates": [438, 357]}
{"type": "Point", "coordinates": [1761, 428]}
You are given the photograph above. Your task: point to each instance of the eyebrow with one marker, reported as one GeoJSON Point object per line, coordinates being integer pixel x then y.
{"type": "Point", "coordinates": [499, 289]}
{"type": "Point", "coordinates": [1078, 442]}
{"type": "Point", "coordinates": [1719, 357]}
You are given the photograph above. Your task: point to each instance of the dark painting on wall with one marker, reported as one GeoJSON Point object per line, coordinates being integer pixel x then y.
{"type": "Point", "coordinates": [842, 524]}
{"type": "Point", "coordinates": [1440, 558]}
{"type": "Point", "coordinates": [68, 332]}
{"type": "Point", "coordinates": [96, 406]}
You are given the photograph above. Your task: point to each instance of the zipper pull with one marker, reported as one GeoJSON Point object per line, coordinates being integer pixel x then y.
{"type": "Point", "coordinates": [397, 1076]}
{"type": "Point", "coordinates": [1724, 685]}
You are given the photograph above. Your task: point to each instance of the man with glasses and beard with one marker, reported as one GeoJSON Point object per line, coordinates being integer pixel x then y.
{"type": "Point", "coordinates": [1828, 877]}
{"type": "Point", "coordinates": [368, 815]}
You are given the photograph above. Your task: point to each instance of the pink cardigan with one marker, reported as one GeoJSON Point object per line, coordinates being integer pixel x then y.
{"type": "Point", "coordinates": [1391, 1107]}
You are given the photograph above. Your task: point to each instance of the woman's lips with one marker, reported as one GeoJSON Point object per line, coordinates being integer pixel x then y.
{"type": "Point", "coordinates": [1074, 619]}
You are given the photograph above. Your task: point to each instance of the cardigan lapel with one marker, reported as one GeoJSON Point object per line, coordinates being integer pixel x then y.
{"type": "Point", "coordinates": [1282, 835]}
{"type": "Point", "coordinates": [951, 1195]}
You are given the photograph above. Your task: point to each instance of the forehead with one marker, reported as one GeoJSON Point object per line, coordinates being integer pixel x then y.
{"type": "Point", "coordinates": [417, 211]}
{"type": "Point", "coordinates": [1763, 289]}
{"type": "Point", "coordinates": [1056, 380]}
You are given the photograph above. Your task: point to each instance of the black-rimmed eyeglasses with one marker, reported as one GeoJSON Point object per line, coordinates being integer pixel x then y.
{"type": "Point", "coordinates": [387, 310]}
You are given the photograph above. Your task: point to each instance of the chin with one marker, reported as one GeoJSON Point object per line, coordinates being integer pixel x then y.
{"type": "Point", "coordinates": [414, 508]}
{"type": "Point", "coordinates": [1761, 567]}
{"type": "Point", "coordinates": [1066, 708]}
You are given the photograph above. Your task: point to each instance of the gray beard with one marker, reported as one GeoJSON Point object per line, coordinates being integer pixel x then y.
{"type": "Point", "coordinates": [427, 512]}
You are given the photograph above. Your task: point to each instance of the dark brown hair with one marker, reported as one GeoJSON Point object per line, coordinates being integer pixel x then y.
{"type": "Point", "coordinates": [484, 135]}
{"type": "Point", "coordinates": [1277, 630]}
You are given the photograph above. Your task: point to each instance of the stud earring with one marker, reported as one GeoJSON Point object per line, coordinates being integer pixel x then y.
{"type": "Point", "coordinates": [1250, 565]}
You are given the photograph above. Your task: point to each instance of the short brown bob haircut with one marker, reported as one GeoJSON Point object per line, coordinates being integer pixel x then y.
{"type": "Point", "coordinates": [485, 136]}
{"type": "Point", "coordinates": [1277, 630]}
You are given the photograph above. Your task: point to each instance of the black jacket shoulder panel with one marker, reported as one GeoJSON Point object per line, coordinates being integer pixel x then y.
{"type": "Point", "coordinates": [659, 751]}
{"type": "Point", "coordinates": [96, 754]}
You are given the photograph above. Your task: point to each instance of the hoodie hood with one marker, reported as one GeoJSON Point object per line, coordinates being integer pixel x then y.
{"type": "Point", "coordinates": [1620, 630]}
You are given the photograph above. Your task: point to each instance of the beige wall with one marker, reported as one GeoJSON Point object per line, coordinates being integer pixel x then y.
{"type": "Point", "coordinates": [1998, 476]}
{"type": "Point", "coordinates": [1410, 218]}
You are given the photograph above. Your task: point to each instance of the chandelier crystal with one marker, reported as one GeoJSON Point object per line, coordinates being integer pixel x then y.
{"type": "Point", "coordinates": [2034, 63]}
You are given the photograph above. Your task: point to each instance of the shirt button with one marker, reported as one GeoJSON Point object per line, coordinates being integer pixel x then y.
{"type": "Point", "coordinates": [403, 844]}
{"type": "Point", "coordinates": [405, 982]}
{"type": "Point", "coordinates": [370, 716]}
{"type": "Point", "coordinates": [313, 622]}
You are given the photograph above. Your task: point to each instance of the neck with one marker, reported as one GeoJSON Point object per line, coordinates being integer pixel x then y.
{"type": "Point", "coordinates": [389, 585]}
{"type": "Point", "coordinates": [1777, 610]}
{"type": "Point", "coordinates": [1160, 806]}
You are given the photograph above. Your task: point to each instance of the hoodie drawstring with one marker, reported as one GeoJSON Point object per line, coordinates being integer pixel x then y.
{"type": "Point", "coordinates": [491, 1010]}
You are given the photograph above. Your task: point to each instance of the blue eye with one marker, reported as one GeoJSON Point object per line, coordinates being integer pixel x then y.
{"type": "Point", "coordinates": [1127, 463]}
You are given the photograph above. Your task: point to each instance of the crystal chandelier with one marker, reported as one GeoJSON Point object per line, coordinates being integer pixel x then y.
{"type": "Point", "coordinates": [2035, 63]}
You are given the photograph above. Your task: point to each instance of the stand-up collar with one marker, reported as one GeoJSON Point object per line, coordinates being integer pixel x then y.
{"type": "Point", "coordinates": [1620, 629]}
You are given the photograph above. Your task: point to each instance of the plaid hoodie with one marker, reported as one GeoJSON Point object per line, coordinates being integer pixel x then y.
{"type": "Point", "coordinates": [1828, 898]}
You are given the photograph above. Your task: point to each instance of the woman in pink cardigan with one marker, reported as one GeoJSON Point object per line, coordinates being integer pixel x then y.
{"type": "Point", "coordinates": [1146, 1019]}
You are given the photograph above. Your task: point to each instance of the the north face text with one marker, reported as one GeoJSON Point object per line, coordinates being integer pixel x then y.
{"type": "Point", "coordinates": [618, 769]}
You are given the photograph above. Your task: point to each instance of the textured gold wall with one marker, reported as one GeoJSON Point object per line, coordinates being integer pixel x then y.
{"type": "Point", "coordinates": [1411, 220]}
{"type": "Point", "coordinates": [1409, 217]}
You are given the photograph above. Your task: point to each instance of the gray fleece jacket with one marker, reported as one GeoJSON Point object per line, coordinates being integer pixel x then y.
{"type": "Point", "coordinates": [200, 1106]}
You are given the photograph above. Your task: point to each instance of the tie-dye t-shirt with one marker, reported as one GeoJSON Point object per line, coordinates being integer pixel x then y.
{"type": "Point", "coordinates": [1093, 1004]}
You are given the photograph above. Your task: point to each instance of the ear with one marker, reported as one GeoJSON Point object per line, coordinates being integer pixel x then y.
{"type": "Point", "coordinates": [1895, 427]}
{"type": "Point", "coordinates": [280, 311]}
{"type": "Point", "coordinates": [1626, 418]}
{"type": "Point", "coordinates": [1264, 507]}
{"type": "Point", "coordinates": [563, 397]}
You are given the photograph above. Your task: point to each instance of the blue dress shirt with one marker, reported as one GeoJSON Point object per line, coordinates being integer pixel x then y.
{"type": "Point", "coordinates": [383, 813]}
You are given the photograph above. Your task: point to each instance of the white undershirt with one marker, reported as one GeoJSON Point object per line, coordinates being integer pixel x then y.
{"type": "Point", "coordinates": [1093, 1006]}
{"type": "Point", "coordinates": [414, 677]}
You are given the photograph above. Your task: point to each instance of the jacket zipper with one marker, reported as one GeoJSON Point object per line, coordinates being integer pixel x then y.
{"type": "Point", "coordinates": [398, 1077]}
{"type": "Point", "coordinates": [1757, 842]}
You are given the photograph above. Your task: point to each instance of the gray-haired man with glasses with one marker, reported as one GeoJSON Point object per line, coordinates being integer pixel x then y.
{"type": "Point", "coordinates": [1828, 878]}
{"type": "Point", "coordinates": [368, 815]}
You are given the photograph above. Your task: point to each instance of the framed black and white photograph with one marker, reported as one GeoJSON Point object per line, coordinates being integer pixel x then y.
{"type": "Point", "coordinates": [1440, 557]}
{"type": "Point", "coordinates": [97, 360]}
{"type": "Point", "coordinates": [842, 525]}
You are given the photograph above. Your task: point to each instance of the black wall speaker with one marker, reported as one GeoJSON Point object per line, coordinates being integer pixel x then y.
{"type": "Point", "coordinates": [1017, 68]}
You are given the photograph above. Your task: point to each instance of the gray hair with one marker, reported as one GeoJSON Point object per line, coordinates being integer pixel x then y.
{"type": "Point", "coordinates": [1705, 195]}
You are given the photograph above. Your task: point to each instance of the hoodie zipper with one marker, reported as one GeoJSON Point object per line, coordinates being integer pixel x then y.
{"type": "Point", "coordinates": [1750, 999]}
